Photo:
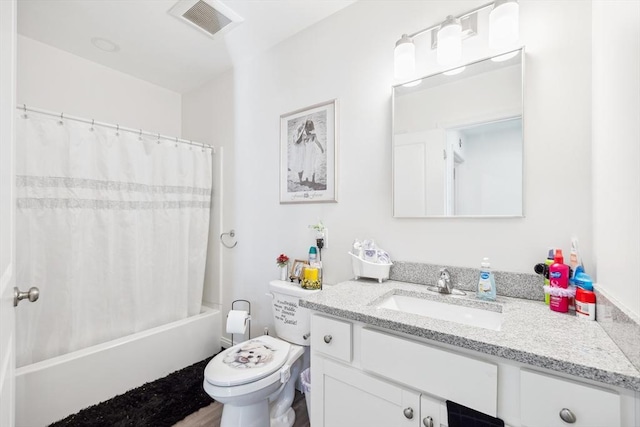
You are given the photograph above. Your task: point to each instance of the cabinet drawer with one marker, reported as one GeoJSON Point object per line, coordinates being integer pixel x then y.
{"type": "Point", "coordinates": [441, 373]}
{"type": "Point", "coordinates": [542, 397]}
{"type": "Point", "coordinates": [331, 337]}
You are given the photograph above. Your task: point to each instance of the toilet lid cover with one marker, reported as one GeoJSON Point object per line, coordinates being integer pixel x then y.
{"type": "Point", "coordinates": [247, 362]}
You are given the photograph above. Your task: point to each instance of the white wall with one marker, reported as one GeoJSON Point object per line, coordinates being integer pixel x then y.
{"type": "Point", "coordinates": [616, 153]}
{"type": "Point", "coordinates": [58, 81]}
{"type": "Point", "coordinates": [349, 56]}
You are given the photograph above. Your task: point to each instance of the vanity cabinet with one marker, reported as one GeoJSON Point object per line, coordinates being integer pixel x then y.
{"type": "Point", "coordinates": [364, 376]}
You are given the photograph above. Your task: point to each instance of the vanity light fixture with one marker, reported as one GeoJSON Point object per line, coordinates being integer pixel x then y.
{"type": "Point", "coordinates": [447, 37]}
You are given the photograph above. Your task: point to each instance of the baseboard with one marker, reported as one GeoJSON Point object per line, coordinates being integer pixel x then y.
{"type": "Point", "coordinates": [225, 342]}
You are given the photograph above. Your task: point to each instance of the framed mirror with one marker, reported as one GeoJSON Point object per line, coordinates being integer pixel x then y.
{"type": "Point", "coordinates": [458, 141]}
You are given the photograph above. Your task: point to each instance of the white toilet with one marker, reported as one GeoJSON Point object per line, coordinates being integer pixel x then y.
{"type": "Point", "coordinates": [255, 380]}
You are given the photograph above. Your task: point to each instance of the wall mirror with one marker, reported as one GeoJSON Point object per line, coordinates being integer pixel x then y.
{"type": "Point", "coordinates": [458, 141]}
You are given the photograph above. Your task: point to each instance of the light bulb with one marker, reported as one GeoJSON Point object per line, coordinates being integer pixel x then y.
{"type": "Point", "coordinates": [504, 25]}
{"type": "Point", "coordinates": [449, 41]}
{"type": "Point", "coordinates": [404, 58]}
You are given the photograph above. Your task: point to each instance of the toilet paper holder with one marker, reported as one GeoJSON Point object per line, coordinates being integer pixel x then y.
{"type": "Point", "coordinates": [247, 320]}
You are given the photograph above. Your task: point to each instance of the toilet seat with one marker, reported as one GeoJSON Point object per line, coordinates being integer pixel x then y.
{"type": "Point", "coordinates": [247, 362]}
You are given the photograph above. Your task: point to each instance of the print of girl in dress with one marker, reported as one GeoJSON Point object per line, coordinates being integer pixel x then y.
{"type": "Point", "coordinates": [307, 158]}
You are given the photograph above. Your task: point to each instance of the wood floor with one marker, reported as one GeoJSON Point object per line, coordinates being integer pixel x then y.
{"type": "Point", "coordinates": [209, 416]}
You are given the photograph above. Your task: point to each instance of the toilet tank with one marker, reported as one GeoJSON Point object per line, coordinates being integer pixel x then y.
{"type": "Point", "coordinates": [292, 322]}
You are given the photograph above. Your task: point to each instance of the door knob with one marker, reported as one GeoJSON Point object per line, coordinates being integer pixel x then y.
{"type": "Point", "coordinates": [32, 295]}
{"type": "Point", "coordinates": [427, 422]}
{"type": "Point", "coordinates": [328, 338]}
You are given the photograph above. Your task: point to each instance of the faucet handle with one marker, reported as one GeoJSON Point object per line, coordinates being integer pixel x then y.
{"type": "Point", "coordinates": [444, 281]}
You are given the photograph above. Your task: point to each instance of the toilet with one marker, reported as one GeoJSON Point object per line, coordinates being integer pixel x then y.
{"type": "Point", "coordinates": [255, 380]}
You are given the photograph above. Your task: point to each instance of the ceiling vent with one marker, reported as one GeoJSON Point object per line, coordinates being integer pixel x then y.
{"type": "Point", "coordinates": [209, 16]}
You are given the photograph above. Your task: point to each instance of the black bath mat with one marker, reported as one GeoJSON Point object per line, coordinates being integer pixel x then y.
{"type": "Point", "coordinates": [160, 403]}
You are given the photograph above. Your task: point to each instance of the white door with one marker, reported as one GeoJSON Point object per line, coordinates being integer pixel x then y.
{"type": "Point", "coordinates": [7, 210]}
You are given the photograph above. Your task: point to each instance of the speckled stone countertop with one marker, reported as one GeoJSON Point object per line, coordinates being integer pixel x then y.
{"type": "Point", "coordinates": [530, 333]}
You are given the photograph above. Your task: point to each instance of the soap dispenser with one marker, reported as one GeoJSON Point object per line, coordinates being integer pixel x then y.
{"type": "Point", "coordinates": [486, 282]}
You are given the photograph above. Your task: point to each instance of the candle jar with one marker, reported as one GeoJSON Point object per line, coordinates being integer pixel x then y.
{"type": "Point", "coordinates": [311, 277]}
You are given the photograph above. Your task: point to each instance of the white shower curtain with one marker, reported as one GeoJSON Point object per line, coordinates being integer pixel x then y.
{"type": "Point", "coordinates": [112, 229]}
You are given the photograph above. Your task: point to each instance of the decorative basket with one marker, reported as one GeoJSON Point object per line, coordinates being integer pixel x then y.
{"type": "Point", "coordinates": [372, 270]}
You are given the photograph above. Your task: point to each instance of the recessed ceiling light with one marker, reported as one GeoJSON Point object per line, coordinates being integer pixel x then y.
{"type": "Point", "coordinates": [104, 44]}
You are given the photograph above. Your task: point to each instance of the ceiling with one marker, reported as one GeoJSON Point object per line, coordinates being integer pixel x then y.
{"type": "Point", "coordinates": [160, 48]}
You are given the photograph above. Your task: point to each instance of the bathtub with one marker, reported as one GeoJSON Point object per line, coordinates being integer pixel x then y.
{"type": "Point", "coordinates": [50, 390]}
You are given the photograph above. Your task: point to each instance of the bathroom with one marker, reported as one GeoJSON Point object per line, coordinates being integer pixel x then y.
{"type": "Point", "coordinates": [580, 144]}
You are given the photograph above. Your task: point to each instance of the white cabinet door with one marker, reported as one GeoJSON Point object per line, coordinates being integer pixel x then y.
{"type": "Point", "coordinates": [352, 398]}
{"type": "Point", "coordinates": [433, 412]}
{"type": "Point", "coordinates": [546, 400]}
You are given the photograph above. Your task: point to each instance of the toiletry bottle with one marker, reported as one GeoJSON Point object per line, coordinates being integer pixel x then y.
{"type": "Point", "coordinates": [548, 263]}
{"type": "Point", "coordinates": [574, 259]}
{"type": "Point", "coordinates": [585, 297]}
{"type": "Point", "coordinates": [313, 255]}
{"type": "Point", "coordinates": [559, 278]}
{"type": "Point", "coordinates": [486, 282]}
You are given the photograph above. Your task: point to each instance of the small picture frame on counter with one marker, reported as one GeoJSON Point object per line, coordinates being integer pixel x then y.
{"type": "Point", "coordinates": [296, 270]}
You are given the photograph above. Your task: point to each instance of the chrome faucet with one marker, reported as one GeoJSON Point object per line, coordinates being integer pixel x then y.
{"type": "Point", "coordinates": [444, 282]}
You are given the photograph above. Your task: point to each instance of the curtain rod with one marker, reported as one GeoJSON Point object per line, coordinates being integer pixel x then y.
{"type": "Point", "coordinates": [117, 127]}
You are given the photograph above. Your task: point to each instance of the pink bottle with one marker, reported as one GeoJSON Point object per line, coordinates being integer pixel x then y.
{"type": "Point", "coordinates": [559, 278]}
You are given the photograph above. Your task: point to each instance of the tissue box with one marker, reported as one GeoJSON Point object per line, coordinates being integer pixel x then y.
{"type": "Point", "coordinates": [372, 270]}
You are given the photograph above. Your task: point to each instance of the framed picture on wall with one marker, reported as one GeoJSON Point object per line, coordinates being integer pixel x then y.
{"type": "Point", "coordinates": [308, 154]}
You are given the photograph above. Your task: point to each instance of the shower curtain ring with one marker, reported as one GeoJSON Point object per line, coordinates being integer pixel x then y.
{"type": "Point", "coordinates": [24, 108]}
{"type": "Point", "coordinates": [61, 118]}
{"type": "Point", "coordinates": [117, 130]}
{"type": "Point", "coordinates": [92, 122]}
{"type": "Point", "coordinates": [158, 141]}
{"type": "Point", "coordinates": [176, 142]}
{"type": "Point", "coordinates": [140, 135]}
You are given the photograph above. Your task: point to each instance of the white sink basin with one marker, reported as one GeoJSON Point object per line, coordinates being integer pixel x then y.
{"type": "Point", "coordinates": [441, 310]}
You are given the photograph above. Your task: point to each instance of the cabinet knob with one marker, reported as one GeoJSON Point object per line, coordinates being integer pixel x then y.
{"type": "Point", "coordinates": [408, 412]}
{"type": "Point", "coordinates": [567, 416]}
{"type": "Point", "coordinates": [328, 338]}
{"type": "Point", "coordinates": [32, 295]}
{"type": "Point", "coordinates": [427, 422]}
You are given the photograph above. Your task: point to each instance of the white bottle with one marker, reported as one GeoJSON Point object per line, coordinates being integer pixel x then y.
{"type": "Point", "coordinates": [486, 282]}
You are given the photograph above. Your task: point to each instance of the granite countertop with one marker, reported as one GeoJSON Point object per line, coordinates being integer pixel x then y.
{"type": "Point", "coordinates": [530, 333]}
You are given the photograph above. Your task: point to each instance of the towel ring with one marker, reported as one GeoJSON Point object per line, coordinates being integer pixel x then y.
{"type": "Point", "coordinates": [231, 233]}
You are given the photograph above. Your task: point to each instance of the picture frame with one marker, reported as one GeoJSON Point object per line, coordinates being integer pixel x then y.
{"type": "Point", "coordinates": [296, 269]}
{"type": "Point", "coordinates": [308, 154]}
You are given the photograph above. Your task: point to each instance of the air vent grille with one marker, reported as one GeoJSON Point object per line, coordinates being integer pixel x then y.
{"type": "Point", "coordinates": [206, 17]}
